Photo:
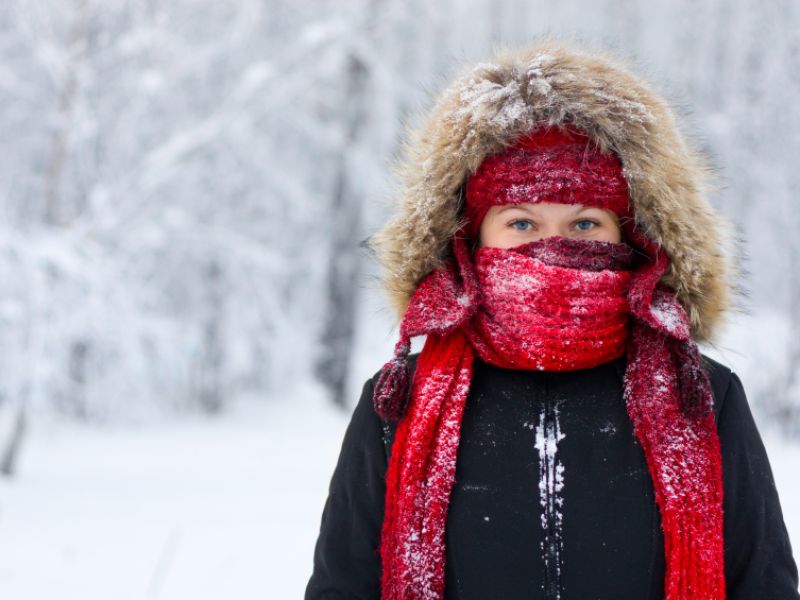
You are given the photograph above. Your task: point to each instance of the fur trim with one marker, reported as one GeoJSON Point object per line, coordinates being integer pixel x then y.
{"type": "Point", "coordinates": [491, 104]}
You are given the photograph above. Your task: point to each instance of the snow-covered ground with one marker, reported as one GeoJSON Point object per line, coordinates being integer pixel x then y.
{"type": "Point", "coordinates": [209, 508]}
{"type": "Point", "coordinates": [199, 509]}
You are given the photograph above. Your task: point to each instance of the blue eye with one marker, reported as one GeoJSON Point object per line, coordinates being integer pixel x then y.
{"type": "Point", "coordinates": [591, 223]}
{"type": "Point", "coordinates": [521, 225]}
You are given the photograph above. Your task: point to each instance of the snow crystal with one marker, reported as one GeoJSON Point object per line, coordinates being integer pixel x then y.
{"type": "Point", "coordinates": [551, 483]}
{"type": "Point", "coordinates": [536, 79]}
{"type": "Point", "coordinates": [609, 428]}
{"type": "Point", "coordinates": [541, 60]}
{"type": "Point", "coordinates": [475, 486]}
{"type": "Point", "coordinates": [501, 106]}
{"type": "Point", "coordinates": [670, 316]}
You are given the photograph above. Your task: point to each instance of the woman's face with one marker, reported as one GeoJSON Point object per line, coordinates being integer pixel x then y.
{"type": "Point", "coordinates": [514, 224]}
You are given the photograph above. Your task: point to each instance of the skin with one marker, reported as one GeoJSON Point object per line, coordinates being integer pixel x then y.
{"type": "Point", "coordinates": [512, 225]}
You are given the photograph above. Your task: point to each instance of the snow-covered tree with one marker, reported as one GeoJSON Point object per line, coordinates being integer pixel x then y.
{"type": "Point", "coordinates": [185, 184]}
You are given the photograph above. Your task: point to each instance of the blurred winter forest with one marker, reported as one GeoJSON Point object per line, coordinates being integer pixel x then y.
{"type": "Point", "coordinates": [186, 185]}
{"type": "Point", "coordinates": [187, 308]}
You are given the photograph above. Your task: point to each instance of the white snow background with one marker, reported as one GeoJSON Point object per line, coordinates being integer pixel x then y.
{"type": "Point", "coordinates": [177, 179]}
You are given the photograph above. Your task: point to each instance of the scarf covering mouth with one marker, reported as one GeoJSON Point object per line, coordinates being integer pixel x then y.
{"type": "Point", "coordinates": [540, 310]}
{"type": "Point", "coordinates": [553, 304]}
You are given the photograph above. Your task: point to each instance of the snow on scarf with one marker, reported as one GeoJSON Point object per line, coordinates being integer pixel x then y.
{"type": "Point", "coordinates": [553, 304]}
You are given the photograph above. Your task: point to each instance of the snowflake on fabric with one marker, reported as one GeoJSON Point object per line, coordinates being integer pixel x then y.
{"type": "Point", "coordinates": [668, 315]}
{"type": "Point", "coordinates": [439, 305]}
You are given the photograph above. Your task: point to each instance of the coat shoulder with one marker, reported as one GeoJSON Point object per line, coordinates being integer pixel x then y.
{"type": "Point", "coordinates": [720, 377]}
{"type": "Point", "coordinates": [389, 427]}
{"type": "Point", "coordinates": [412, 364]}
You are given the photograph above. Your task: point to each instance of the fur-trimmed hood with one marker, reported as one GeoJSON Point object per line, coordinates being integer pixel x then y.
{"type": "Point", "coordinates": [493, 103]}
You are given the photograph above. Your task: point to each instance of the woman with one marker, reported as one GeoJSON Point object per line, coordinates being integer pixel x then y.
{"type": "Point", "coordinates": [559, 435]}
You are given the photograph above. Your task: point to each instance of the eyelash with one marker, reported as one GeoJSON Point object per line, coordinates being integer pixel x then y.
{"type": "Point", "coordinates": [515, 221]}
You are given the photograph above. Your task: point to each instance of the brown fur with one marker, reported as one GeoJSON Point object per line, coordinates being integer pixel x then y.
{"type": "Point", "coordinates": [492, 103]}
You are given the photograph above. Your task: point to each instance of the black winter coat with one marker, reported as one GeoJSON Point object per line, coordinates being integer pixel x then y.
{"type": "Point", "coordinates": [613, 545]}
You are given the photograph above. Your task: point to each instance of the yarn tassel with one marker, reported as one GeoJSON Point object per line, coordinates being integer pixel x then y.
{"type": "Point", "coordinates": [391, 393]}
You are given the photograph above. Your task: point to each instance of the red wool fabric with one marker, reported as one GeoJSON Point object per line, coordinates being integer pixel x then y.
{"type": "Point", "coordinates": [680, 441]}
{"type": "Point", "coordinates": [551, 164]}
{"type": "Point", "coordinates": [546, 316]}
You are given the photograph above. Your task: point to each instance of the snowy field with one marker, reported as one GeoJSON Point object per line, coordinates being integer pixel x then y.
{"type": "Point", "coordinates": [200, 509]}
{"type": "Point", "coordinates": [224, 508]}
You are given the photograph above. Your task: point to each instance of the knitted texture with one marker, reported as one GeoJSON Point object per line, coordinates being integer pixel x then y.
{"type": "Point", "coordinates": [549, 317]}
{"type": "Point", "coordinates": [557, 164]}
{"type": "Point", "coordinates": [483, 308]}
{"type": "Point", "coordinates": [683, 456]}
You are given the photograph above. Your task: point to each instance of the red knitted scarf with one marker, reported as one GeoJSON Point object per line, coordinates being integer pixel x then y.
{"type": "Point", "coordinates": [553, 304]}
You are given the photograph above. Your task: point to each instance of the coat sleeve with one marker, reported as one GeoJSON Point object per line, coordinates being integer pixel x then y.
{"type": "Point", "coordinates": [758, 554]}
{"type": "Point", "coordinates": [346, 558]}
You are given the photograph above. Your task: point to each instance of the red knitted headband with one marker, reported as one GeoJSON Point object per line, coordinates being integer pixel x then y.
{"type": "Point", "coordinates": [550, 164]}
